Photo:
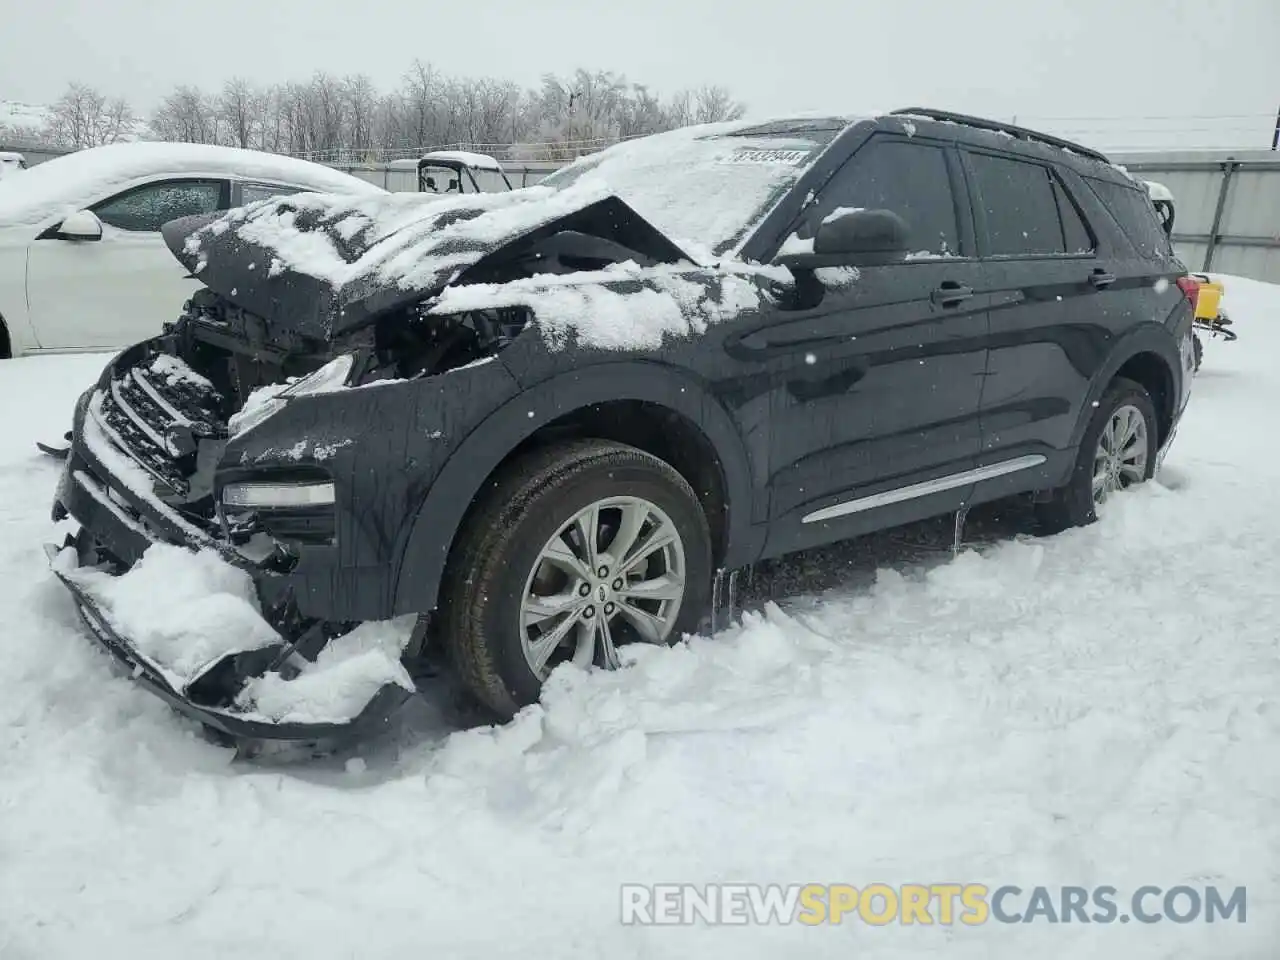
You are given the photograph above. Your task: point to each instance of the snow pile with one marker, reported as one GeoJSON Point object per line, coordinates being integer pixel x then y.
{"type": "Point", "coordinates": [69, 183]}
{"type": "Point", "coordinates": [344, 678]}
{"type": "Point", "coordinates": [181, 609]}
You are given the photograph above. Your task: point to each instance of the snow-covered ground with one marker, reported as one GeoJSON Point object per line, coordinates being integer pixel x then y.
{"type": "Point", "coordinates": [1101, 707]}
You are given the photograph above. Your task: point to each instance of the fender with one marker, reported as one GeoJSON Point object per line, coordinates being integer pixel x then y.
{"type": "Point", "coordinates": [426, 550]}
{"type": "Point", "coordinates": [1154, 338]}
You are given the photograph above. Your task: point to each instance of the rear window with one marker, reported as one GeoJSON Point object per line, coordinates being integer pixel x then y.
{"type": "Point", "coordinates": [1026, 210]}
{"type": "Point", "coordinates": [1134, 212]}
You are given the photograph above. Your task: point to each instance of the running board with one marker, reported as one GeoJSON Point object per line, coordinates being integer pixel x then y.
{"type": "Point", "coordinates": [925, 488]}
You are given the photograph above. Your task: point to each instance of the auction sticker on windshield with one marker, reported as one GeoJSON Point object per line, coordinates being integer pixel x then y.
{"type": "Point", "coordinates": [749, 155]}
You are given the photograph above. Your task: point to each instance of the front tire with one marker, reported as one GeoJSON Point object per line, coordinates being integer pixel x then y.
{"type": "Point", "coordinates": [1118, 451]}
{"type": "Point", "coordinates": [574, 551]}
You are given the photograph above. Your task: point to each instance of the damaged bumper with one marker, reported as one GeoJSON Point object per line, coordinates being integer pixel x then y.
{"type": "Point", "coordinates": [152, 677]}
{"type": "Point", "coordinates": [118, 484]}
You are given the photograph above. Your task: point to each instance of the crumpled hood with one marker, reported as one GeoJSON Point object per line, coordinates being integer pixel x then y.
{"type": "Point", "coordinates": [322, 264]}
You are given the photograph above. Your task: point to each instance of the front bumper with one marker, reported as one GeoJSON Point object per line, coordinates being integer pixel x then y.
{"type": "Point", "coordinates": [98, 489]}
{"type": "Point", "coordinates": [372, 718]}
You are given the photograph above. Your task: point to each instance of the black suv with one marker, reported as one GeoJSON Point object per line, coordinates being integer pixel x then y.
{"type": "Point", "coordinates": [543, 420]}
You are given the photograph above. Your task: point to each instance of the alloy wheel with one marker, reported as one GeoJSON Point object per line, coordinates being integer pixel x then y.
{"type": "Point", "coordinates": [1120, 459]}
{"type": "Point", "coordinates": [614, 573]}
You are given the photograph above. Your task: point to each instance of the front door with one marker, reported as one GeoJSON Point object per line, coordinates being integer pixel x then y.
{"type": "Point", "coordinates": [112, 292]}
{"type": "Point", "coordinates": [877, 378]}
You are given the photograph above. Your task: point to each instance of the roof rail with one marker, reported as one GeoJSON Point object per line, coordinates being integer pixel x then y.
{"type": "Point", "coordinates": [1022, 133]}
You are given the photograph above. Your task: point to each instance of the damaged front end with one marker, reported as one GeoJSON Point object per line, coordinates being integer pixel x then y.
{"type": "Point", "coordinates": [143, 475]}
{"type": "Point", "coordinates": [284, 432]}
{"type": "Point", "coordinates": [249, 448]}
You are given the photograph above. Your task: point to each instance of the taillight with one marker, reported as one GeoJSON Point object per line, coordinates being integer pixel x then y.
{"type": "Point", "coordinates": [1190, 288]}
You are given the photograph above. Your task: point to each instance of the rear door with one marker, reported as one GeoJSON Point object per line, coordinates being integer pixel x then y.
{"type": "Point", "coordinates": [879, 377]}
{"type": "Point", "coordinates": [1050, 296]}
{"type": "Point", "coordinates": [112, 292]}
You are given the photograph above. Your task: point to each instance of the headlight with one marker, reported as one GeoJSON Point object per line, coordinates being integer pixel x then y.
{"type": "Point", "coordinates": [257, 496]}
{"type": "Point", "coordinates": [332, 376]}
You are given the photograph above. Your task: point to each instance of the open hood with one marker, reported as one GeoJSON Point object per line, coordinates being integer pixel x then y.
{"type": "Point", "coordinates": [323, 265]}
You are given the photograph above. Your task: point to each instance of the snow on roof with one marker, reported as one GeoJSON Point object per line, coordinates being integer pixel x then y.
{"type": "Point", "coordinates": [76, 180]}
{"type": "Point", "coordinates": [1158, 191]}
{"type": "Point", "coordinates": [479, 161]}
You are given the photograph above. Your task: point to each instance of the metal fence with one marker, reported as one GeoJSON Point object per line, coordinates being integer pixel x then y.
{"type": "Point", "coordinates": [1227, 207]}
{"type": "Point", "coordinates": [406, 181]}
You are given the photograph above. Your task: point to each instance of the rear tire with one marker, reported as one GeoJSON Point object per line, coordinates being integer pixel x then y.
{"type": "Point", "coordinates": [1125, 411]}
{"type": "Point", "coordinates": [1198, 349]}
{"type": "Point", "coordinates": [500, 584]}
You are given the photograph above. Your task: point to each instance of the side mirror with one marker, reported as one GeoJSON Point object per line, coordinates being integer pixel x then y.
{"type": "Point", "coordinates": [81, 225]}
{"type": "Point", "coordinates": [853, 238]}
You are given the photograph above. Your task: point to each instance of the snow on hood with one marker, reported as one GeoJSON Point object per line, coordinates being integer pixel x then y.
{"type": "Point", "coordinates": [324, 264]}
{"type": "Point", "coordinates": [185, 610]}
{"type": "Point", "coordinates": [76, 180]}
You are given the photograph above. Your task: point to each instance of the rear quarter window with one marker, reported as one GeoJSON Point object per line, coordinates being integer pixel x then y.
{"type": "Point", "coordinates": [1134, 212]}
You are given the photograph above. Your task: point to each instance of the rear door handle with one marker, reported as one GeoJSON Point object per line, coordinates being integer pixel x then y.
{"type": "Point", "coordinates": [949, 293]}
{"type": "Point", "coordinates": [1100, 279]}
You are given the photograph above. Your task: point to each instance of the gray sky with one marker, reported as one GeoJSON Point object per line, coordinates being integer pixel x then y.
{"type": "Point", "coordinates": [1041, 60]}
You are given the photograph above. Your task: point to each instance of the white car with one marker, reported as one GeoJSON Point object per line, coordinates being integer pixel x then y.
{"type": "Point", "coordinates": [82, 263]}
{"type": "Point", "coordinates": [11, 163]}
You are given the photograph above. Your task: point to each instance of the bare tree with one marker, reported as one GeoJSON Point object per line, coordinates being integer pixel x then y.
{"type": "Point", "coordinates": [83, 117]}
{"type": "Point", "coordinates": [361, 107]}
{"type": "Point", "coordinates": [715, 105]}
{"type": "Point", "coordinates": [186, 115]}
{"type": "Point", "coordinates": [346, 119]}
{"type": "Point", "coordinates": [239, 111]}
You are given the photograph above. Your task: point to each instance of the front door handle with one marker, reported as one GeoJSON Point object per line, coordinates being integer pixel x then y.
{"type": "Point", "coordinates": [949, 293]}
{"type": "Point", "coordinates": [1100, 279]}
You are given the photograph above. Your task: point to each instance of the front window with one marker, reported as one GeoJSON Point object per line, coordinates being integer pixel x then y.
{"type": "Point", "coordinates": [706, 191]}
{"type": "Point", "coordinates": [147, 208]}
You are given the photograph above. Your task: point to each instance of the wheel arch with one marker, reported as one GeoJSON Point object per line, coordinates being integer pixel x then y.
{"type": "Point", "coordinates": [6, 342]}
{"type": "Point", "coordinates": [1148, 356]}
{"type": "Point", "coordinates": [656, 408]}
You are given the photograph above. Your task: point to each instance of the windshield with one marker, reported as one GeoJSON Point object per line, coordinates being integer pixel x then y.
{"type": "Point", "coordinates": [438, 178]}
{"type": "Point", "coordinates": [706, 188]}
